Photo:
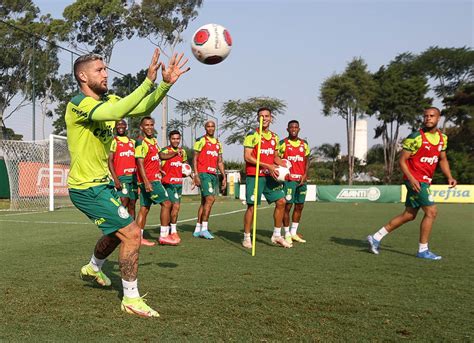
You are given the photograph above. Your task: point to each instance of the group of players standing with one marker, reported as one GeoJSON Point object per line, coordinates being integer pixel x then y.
{"type": "Point", "coordinates": [96, 155]}
{"type": "Point", "coordinates": [141, 167]}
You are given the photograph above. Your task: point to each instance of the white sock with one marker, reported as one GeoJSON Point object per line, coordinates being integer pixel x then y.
{"type": "Point", "coordinates": [197, 228]}
{"type": "Point", "coordinates": [422, 247]}
{"type": "Point", "coordinates": [246, 236]}
{"type": "Point", "coordinates": [130, 288]}
{"type": "Point", "coordinates": [287, 230]}
{"type": "Point", "coordinates": [204, 226]}
{"type": "Point", "coordinates": [294, 228]}
{"type": "Point", "coordinates": [173, 228]}
{"type": "Point", "coordinates": [277, 231]}
{"type": "Point", "coordinates": [96, 263]}
{"type": "Point", "coordinates": [380, 234]}
{"type": "Point", "coordinates": [164, 231]}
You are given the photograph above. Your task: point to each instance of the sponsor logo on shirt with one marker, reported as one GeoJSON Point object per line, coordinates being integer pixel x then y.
{"type": "Point", "coordinates": [176, 164]}
{"type": "Point", "coordinates": [127, 153]}
{"type": "Point", "coordinates": [268, 151]}
{"type": "Point", "coordinates": [296, 158]}
{"type": "Point", "coordinates": [430, 160]}
{"type": "Point", "coordinates": [212, 153]}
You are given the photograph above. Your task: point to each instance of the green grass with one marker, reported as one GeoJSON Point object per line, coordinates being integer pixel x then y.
{"type": "Point", "coordinates": [330, 289]}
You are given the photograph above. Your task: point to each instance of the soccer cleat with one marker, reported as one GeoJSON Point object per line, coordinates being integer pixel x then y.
{"type": "Point", "coordinates": [176, 237]}
{"type": "Point", "coordinates": [197, 234]}
{"type": "Point", "coordinates": [138, 306]}
{"type": "Point", "coordinates": [99, 277]}
{"type": "Point", "coordinates": [278, 240]}
{"type": "Point", "coordinates": [297, 238]}
{"type": "Point", "coordinates": [374, 244]}
{"type": "Point", "coordinates": [206, 234]}
{"type": "Point", "coordinates": [247, 243]}
{"type": "Point", "coordinates": [146, 242]}
{"type": "Point", "coordinates": [168, 240]}
{"type": "Point", "coordinates": [288, 238]}
{"type": "Point", "coordinates": [428, 255]}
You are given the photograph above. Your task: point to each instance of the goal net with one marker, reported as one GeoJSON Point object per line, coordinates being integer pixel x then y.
{"type": "Point", "coordinates": [29, 166]}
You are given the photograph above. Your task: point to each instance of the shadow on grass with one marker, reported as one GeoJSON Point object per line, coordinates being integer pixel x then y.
{"type": "Point", "coordinates": [364, 245]}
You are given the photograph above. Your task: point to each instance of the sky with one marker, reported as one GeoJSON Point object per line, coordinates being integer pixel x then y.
{"type": "Point", "coordinates": [286, 49]}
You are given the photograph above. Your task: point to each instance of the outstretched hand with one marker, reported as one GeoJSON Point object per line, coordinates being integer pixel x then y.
{"type": "Point", "coordinates": [175, 68]}
{"type": "Point", "coordinates": [154, 66]}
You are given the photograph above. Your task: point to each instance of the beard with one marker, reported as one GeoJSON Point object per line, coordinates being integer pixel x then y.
{"type": "Point", "coordinates": [98, 88]}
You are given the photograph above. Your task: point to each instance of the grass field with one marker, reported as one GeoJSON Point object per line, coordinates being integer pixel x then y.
{"type": "Point", "coordinates": [330, 289]}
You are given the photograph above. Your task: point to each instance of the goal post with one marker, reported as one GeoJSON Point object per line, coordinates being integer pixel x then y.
{"type": "Point", "coordinates": [37, 173]}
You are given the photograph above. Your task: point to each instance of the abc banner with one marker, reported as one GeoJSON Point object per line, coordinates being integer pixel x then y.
{"type": "Point", "coordinates": [33, 179]}
{"type": "Point", "coordinates": [359, 193]}
{"type": "Point", "coordinates": [444, 194]}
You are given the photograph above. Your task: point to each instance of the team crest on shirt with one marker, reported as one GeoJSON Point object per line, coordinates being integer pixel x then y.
{"type": "Point", "coordinates": [130, 144]}
{"type": "Point", "coordinates": [301, 149]}
{"type": "Point", "coordinates": [122, 212]}
{"type": "Point", "coordinates": [272, 142]}
{"type": "Point", "coordinates": [440, 147]}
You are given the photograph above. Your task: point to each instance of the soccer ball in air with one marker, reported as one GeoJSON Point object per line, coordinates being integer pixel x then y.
{"type": "Point", "coordinates": [211, 44]}
{"type": "Point", "coordinates": [186, 169]}
{"type": "Point", "coordinates": [283, 172]}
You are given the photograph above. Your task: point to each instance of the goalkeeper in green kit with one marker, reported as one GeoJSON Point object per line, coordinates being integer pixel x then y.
{"type": "Point", "coordinates": [90, 119]}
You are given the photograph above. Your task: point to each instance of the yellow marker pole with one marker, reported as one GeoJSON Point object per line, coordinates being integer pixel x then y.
{"type": "Point", "coordinates": [255, 190]}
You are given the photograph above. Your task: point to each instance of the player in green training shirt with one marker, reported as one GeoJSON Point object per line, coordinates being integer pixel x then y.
{"type": "Point", "coordinates": [90, 119]}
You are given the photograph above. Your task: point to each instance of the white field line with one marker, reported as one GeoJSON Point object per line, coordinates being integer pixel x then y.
{"type": "Point", "coordinates": [87, 223]}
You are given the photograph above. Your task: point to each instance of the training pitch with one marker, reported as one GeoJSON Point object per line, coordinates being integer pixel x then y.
{"type": "Point", "coordinates": [329, 289]}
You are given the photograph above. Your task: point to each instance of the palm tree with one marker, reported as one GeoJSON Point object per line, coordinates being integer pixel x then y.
{"type": "Point", "coordinates": [329, 152]}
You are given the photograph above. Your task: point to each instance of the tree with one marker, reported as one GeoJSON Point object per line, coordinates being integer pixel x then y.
{"type": "Point", "coordinates": [348, 95]}
{"type": "Point", "coordinates": [450, 68]}
{"type": "Point", "coordinates": [98, 25]}
{"type": "Point", "coordinates": [162, 22]}
{"type": "Point", "coordinates": [28, 57]}
{"type": "Point", "coordinates": [197, 111]}
{"type": "Point", "coordinates": [240, 116]}
{"type": "Point", "coordinates": [400, 97]}
{"type": "Point", "coordinates": [330, 152]}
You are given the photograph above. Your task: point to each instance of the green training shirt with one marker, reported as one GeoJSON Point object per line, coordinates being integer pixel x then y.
{"type": "Point", "coordinates": [89, 124]}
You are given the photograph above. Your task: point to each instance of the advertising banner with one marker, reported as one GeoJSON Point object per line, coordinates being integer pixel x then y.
{"type": "Point", "coordinates": [367, 193]}
{"type": "Point", "coordinates": [444, 194]}
{"type": "Point", "coordinates": [33, 179]}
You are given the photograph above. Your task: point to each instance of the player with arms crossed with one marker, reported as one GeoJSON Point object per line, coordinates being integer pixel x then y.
{"type": "Point", "coordinates": [296, 151]}
{"type": "Point", "coordinates": [207, 158]}
{"type": "Point", "coordinates": [267, 184]}
{"type": "Point", "coordinates": [172, 159]}
{"type": "Point", "coordinates": [90, 118]}
{"type": "Point", "coordinates": [422, 151]}
{"type": "Point", "coordinates": [123, 168]}
{"type": "Point", "coordinates": [149, 175]}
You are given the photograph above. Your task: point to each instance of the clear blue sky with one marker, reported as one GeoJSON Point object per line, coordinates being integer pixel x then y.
{"type": "Point", "coordinates": [286, 49]}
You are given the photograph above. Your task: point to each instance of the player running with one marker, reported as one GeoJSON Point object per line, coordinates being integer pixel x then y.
{"type": "Point", "coordinates": [90, 118]}
{"type": "Point", "coordinates": [267, 184]}
{"type": "Point", "coordinates": [296, 151]}
{"type": "Point", "coordinates": [422, 151]}
{"type": "Point", "coordinates": [172, 159]}
{"type": "Point", "coordinates": [207, 159]}
{"type": "Point", "coordinates": [149, 181]}
{"type": "Point", "coordinates": [123, 168]}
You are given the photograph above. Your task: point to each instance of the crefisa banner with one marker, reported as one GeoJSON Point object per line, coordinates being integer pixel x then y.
{"type": "Point", "coordinates": [444, 194]}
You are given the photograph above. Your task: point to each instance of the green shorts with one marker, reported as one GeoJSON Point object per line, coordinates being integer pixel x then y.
{"type": "Point", "coordinates": [156, 196]}
{"type": "Point", "coordinates": [209, 184]}
{"type": "Point", "coordinates": [271, 189]}
{"type": "Point", "coordinates": [416, 200]}
{"type": "Point", "coordinates": [294, 193]}
{"type": "Point", "coordinates": [102, 205]}
{"type": "Point", "coordinates": [129, 187]}
{"type": "Point", "coordinates": [174, 192]}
